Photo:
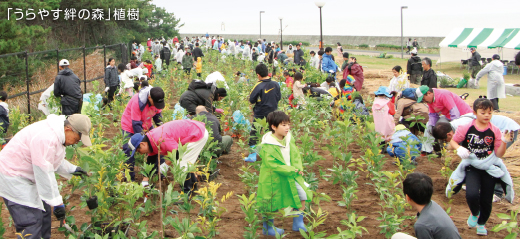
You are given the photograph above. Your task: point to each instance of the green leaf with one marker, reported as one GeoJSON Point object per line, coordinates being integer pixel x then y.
{"type": "Point", "coordinates": [503, 216]}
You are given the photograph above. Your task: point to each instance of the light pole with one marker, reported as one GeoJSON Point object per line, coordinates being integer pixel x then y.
{"type": "Point", "coordinates": [281, 37]}
{"type": "Point", "coordinates": [402, 7]}
{"type": "Point", "coordinates": [320, 5]}
{"type": "Point", "coordinates": [261, 23]}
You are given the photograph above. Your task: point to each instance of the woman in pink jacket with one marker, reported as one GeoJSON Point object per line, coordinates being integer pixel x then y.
{"type": "Point", "coordinates": [355, 70]}
{"type": "Point", "coordinates": [167, 138]}
{"type": "Point", "coordinates": [138, 115]}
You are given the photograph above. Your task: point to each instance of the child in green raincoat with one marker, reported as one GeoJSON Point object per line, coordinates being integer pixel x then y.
{"type": "Point", "coordinates": [281, 184]}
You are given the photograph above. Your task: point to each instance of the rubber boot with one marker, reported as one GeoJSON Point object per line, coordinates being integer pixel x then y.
{"type": "Point", "coordinates": [269, 228]}
{"type": "Point", "coordinates": [297, 223]}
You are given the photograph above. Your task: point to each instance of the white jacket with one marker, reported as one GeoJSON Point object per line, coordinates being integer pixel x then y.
{"type": "Point", "coordinates": [179, 56]}
{"type": "Point", "coordinates": [246, 53]}
{"type": "Point", "coordinates": [315, 62]}
{"type": "Point", "coordinates": [496, 87]}
{"type": "Point", "coordinates": [28, 163]}
{"type": "Point", "coordinates": [214, 77]}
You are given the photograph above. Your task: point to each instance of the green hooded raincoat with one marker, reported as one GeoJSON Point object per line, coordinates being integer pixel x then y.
{"type": "Point", "coordinates": [276, 186]}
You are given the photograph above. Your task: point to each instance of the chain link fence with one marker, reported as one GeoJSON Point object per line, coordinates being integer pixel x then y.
{"type": "Point", "coordinates": [25, 75]}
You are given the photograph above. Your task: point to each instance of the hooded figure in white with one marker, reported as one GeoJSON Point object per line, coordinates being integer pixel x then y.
{"type": "Point", "coordinates": [179, 56]}
{"type": "Point", "coordinates": [246, 53]}
{"type": "Point", "coordinates": [496, 87]}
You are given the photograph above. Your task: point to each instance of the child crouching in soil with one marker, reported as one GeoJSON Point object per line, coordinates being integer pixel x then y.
{"type": "Point", "coordinates": [281, 184]}
{"type": "Point", "coordinates": [480, 144]}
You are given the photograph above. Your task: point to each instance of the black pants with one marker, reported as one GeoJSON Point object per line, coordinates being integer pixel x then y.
{"type": "Point", "coordinates": [480, 187]}
{"type": "Point", "coordinates": [252, 134]}
{"type": "Point", "coordinates": [495, 103]}
{"type": "Point", "coordinates": [187, 70]}
{"type": "Point", "coordinates": [167, 63]}
{"type": "Point", "coordinates": [32, 223]}
{"type": "Point", "coordinates": [70, 106]}
{"type": "Point", "coordinates": [199, 74]}
{"type": "Point", "coordinates": [408, 49]}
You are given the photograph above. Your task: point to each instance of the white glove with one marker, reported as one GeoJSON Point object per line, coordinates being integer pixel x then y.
{"type": "Point", "coordinates": [164, 168]}
{"type": "Point", "coordinates": [106, 89]}
{"type": "Point", "coordinates": [506, 136]}
{"type": "Point", "coordinates": [463, 152]}
{"type": "Point", "coordinates": [331, 71]}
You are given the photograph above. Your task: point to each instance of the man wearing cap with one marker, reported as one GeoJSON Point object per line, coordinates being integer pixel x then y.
{"type": "Point", "coordinates": [67, 86]}
{"type": "Point", "coordinates": [474, 62]}
{"type": "Point", "coordinates": [138, 115]}
{"type": "Point", "coordinates": [414, 68]}
{"type": "Point", "coordinates": [445, 102]}
{"type": "Point", "coordinates": [496, 87]}
{"type": "Point", "coordinates": [442, 101]}
{"type": "Point", "coordinates": [191, 133]}
{"type": "Point", "coordinates": [28, 164]}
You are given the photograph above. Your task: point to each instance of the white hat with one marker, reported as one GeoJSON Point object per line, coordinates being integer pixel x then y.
{"type": "Point", "coordinates": [148, 38]}
{"type": "Point", "coordinates": [413, 51]}
{"type": "Point", "coordinates": [64, 62]}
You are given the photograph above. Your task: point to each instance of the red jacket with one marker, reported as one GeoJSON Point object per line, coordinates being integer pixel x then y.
{"type": "Point", "coordinates": [356, 71]}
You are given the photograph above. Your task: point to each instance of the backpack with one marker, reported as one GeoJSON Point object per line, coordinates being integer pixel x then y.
{"type": "Point", "coordinates": [417, 66]}
{"type": "Point", "coordinates": [409, 93]}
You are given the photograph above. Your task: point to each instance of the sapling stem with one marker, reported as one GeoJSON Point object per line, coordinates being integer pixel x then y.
{"type": "Point", "coordinates": [160, 187]}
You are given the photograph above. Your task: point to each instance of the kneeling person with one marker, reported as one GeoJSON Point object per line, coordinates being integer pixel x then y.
{"type": "Point", "coordinates": [224, 141]}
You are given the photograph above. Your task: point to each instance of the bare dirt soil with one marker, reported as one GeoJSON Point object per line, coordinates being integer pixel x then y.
{"type": "Point", "coordinates": [366, 204]}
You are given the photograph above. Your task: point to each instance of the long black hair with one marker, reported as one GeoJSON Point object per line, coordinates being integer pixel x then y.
{"type": "Point", "coordinates": [109, 60]}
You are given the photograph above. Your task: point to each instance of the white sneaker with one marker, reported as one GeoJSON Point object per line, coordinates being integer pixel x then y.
{"type": "Point", "coordinates": [496, 198]}
{"type": "Point", "coordinates": [464, 187]}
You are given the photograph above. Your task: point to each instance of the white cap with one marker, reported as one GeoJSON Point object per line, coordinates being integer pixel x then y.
{"type": "Point", "coordinates": [413, 51]}
{"type": "Point", "coordinates": [64, 62]}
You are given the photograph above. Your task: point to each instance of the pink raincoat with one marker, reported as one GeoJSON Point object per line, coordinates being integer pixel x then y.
{"type": "Point", "coordinates": [169, 134]}
{"type": "Point", "coordinates": [384, 122]}
{"type": "Point", "coordinates": [138, 114]}
{"type": "Point", "coordinates": [28, 163]}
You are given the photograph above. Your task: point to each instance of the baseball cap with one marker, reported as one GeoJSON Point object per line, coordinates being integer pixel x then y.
{"type": "Point", "coordinates": [496, 57]}
{"type": "Point", "coordinates": [82, 124]}
{"type": "Point", "coordinates": [64, 62]}
{"type": "Point", "coordinates": [420, 92]}
{"type": "Point", "coordinates": [472, 49]}
{"type": "Point", "coordinates": [413, 51]}
{"type": "Point", "coordinates": [134, 142]}
{"type": "Point", "coordinates": [157, 95]}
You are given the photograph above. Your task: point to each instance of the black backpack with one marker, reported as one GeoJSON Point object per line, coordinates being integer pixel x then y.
{"type": "Point", "coordinates": [417, 65]}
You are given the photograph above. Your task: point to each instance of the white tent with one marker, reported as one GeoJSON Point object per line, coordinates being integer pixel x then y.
{"type": "Point", "coordinates": [488, 41]}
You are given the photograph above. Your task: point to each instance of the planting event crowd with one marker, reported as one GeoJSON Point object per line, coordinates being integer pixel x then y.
{"type": "Point", "coordinates": [401, 115]}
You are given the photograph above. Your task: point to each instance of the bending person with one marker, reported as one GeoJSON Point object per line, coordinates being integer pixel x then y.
{"type": "Point", "coordinates": [166, 138]}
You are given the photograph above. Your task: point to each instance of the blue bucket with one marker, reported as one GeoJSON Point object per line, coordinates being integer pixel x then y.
{"type": "Point", "coordinates": [505, 70]}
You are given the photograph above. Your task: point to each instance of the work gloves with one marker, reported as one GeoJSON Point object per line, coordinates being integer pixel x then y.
{"type": "Point", "coordinates": [331, 71]}
{"type": "Point", "coordinates": [80, 172]}
{"type": "Point", "coordinates": [220, 111]}
{"type": "Point", "coordinates": [106, 89]}
{"type": "Point", "coordinates": [59, 212]}
{"type": "Point", "coordinates": [164, 168]}
{"type": "Point", "coordinates": [463, 153]}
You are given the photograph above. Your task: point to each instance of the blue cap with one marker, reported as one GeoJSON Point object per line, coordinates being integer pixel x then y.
{"type": "Point", "coordinates": [383, 90]}
{"type": "Point", "coordinates": [134, 142]}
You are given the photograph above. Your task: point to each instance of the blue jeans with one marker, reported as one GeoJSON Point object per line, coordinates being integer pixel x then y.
{"type": "Point", "coordinates": [400, 149]}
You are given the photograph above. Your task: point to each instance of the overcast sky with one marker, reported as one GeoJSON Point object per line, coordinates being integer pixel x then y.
{"type": "Point", "coordinates": [343, 17]}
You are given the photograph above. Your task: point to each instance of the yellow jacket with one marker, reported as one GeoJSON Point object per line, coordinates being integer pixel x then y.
{"type": "Point", "coordinates": [198, 65]}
